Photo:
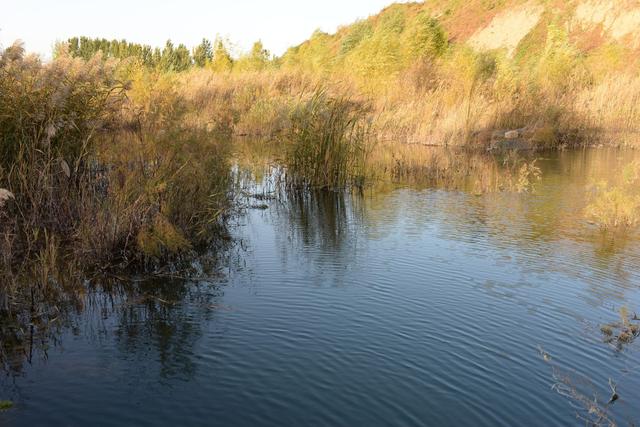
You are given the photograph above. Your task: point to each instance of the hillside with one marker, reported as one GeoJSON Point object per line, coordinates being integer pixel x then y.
{"type": "Point", "coordinates": [517, 26]}
{"type": "Point", "coordinates": [454, 71]}
{"type": "Point", "coordinates": [521, 29]}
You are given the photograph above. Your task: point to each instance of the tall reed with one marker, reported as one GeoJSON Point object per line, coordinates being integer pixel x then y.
{"type": "Point", "coordinates": [329, 140]}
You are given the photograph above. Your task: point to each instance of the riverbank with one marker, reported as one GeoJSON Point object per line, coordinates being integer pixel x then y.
{"type": "Point", "coordinates": [110, 164]}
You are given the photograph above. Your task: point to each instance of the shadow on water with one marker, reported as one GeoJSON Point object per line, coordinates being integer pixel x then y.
{"type": "Point", "coordinates": [165, 317]}
{"type": "Point", "coordinates": [160, 315]}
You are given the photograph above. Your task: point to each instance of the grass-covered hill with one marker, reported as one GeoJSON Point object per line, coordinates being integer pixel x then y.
{"type": "Point", "coordinates": [606, 30]}
{"type": "Point", "coordinates": [452, 71]}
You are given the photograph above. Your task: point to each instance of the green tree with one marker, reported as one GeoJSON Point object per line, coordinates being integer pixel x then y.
{"type": "Point", "coordinates": [74, 46]}
{"type": "Point", "coordinates": [259, 55]}
{"type": "Point", "coordinates": [357, 33]}
{"type": "Point", "coordinates": [427, 38]}
{"type": "Point", "coordinates": [182, 58]}
{"type": "Point", "coordinates": [203, 53]}
{"type": "Point", "coordinates": [316, 55]}
{"type": "Point", "coordinates": [168, 56]}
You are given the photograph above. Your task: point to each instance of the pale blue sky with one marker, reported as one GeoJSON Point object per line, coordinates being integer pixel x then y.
{"type": "Point", "coordinates": [279, 23]}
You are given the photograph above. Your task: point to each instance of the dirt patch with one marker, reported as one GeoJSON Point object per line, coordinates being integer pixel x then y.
{"type": "Point", "coordinates": [618, 19]}
{"type": "Point", "coordinates": [467, 21]}
{"type": "Point", "coordinates": [507, 29]}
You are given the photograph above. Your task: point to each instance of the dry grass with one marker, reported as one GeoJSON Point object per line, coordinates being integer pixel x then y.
{"type": "Point", "coordinates": [329, 140]}
{"type": "Point", "coordinates": [97, 173]}
{"type": "Point", "coordinates": [458, 100]}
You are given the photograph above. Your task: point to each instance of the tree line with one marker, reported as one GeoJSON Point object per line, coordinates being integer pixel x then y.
{"type": "Point", "coordinates": [215, 55]}
{"type": "Point", "coordinates": [373, 49]}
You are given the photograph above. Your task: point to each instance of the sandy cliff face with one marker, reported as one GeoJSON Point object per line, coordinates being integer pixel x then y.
{"type": "Point", "coordinates": [591, 23]}
{"type": "Point", "coordinates": [508, 28]}
{"type": "Point", "coordinates": [615, 19]}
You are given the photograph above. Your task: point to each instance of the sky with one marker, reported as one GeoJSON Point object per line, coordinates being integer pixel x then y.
{"type": "Point", "coordinates": [278, 23]}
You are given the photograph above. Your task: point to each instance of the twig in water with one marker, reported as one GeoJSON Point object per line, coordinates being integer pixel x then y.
{"type": "Point", "coordinates": [614, 392]}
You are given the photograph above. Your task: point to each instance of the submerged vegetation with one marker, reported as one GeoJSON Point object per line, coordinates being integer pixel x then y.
{"type": "Point", "coordinates": [623, 332]}
{"type": "Point", "coordinates": [616, 206]}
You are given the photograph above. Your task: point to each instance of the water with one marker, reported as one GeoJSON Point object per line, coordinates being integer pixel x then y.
{"type": "Point", "coordinates": [402, 306]}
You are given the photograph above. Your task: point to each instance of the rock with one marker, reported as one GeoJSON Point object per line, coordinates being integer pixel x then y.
{"type": "Point", "coordinates": [5, 196]}
{"type": "Point", "coordinates": [512, 134]}
{"type": "Point", "coordinates": [65, 168]}
{"type": "Point", "coordinates": [510, 144]}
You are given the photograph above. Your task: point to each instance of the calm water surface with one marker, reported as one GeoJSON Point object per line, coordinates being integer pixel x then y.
{"type": "Point", "coordinates": [403, 306]}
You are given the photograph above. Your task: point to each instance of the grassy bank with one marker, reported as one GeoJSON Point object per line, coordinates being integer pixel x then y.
{"type": "Point", "coordinates": [98, 151]}
{"type": "Point", "coordinates": [463, 98]}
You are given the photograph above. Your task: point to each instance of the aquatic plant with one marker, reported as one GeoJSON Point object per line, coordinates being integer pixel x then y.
{"type": "Point", "coordinates": [616, 206]}
{"type": "Point", "coordinates": [583, 395]}
{"type": "Point", "coordinates": [328, 142]}
{"type": "Point", "coordinates": [623, 332]}
{"type": "Point", "coordinates": [607, 330]}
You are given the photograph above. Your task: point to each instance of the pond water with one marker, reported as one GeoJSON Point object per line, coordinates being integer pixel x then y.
{"type": "Point", "coordinates": [403, 305]}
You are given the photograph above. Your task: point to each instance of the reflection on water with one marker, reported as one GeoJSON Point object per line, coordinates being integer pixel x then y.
{"type": "Point", "coordinates": [399, 305]}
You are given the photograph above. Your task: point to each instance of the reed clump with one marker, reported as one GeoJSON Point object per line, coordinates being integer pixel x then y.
{"type": "Point", "coordinates": [49, 116]}
{"type": "Point", "coordinates": [328, 142]}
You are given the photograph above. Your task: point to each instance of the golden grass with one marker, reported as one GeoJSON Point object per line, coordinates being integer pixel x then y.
{"type": "Point", "coordinates": [459, 99]}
